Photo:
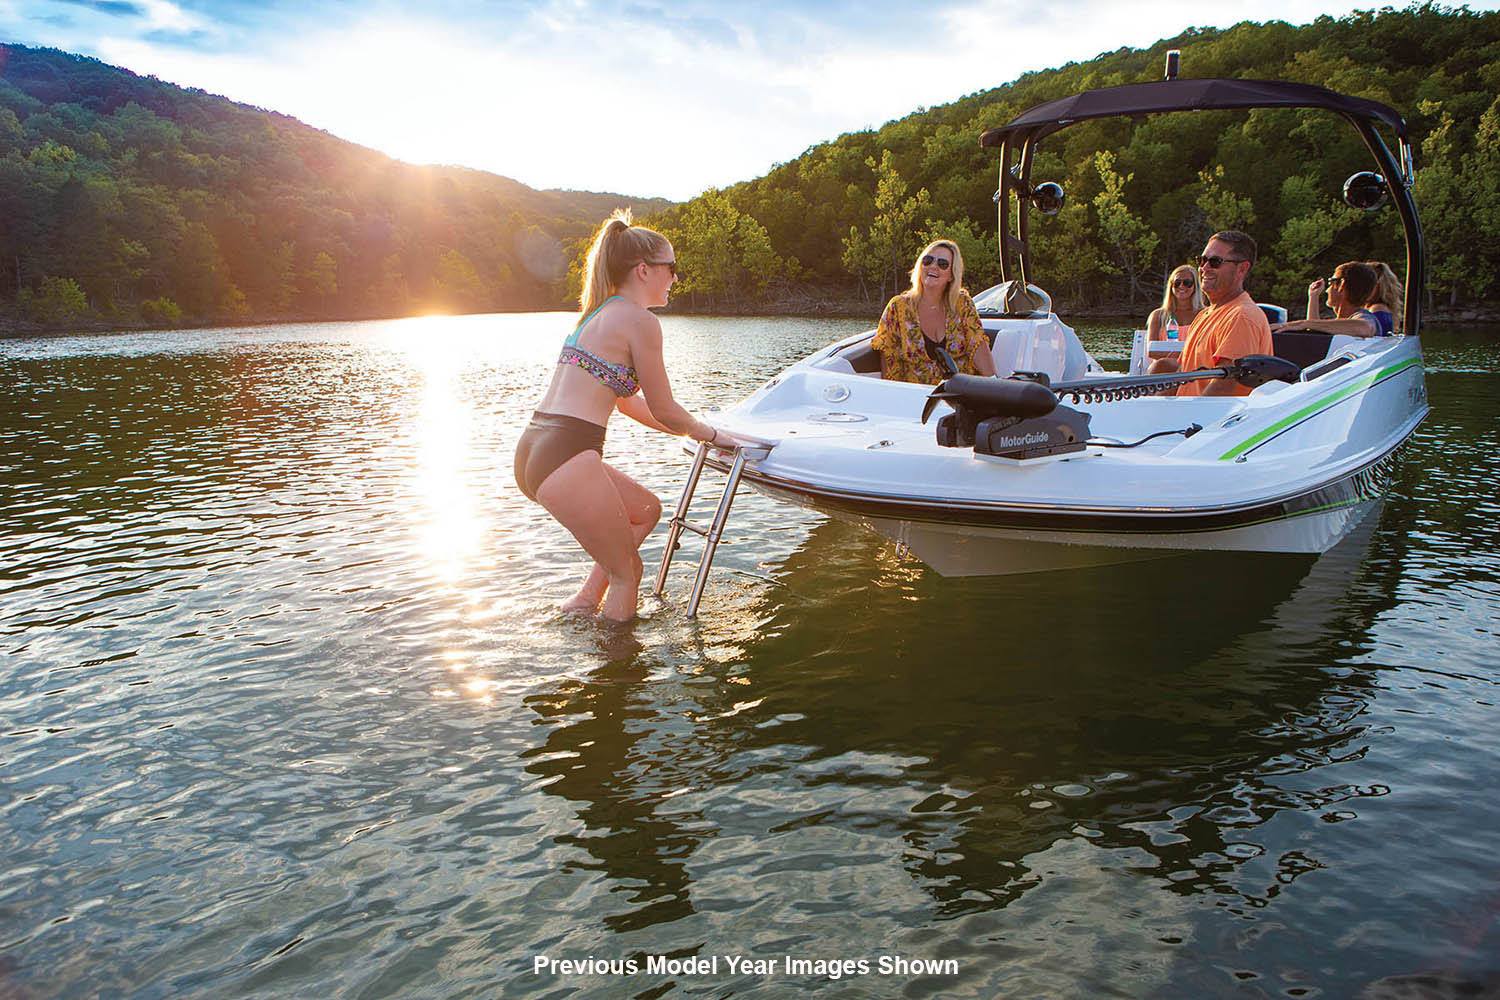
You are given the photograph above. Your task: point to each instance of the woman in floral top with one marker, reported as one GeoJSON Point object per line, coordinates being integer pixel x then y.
{"type": "Point", "coordinates": [937, 309]}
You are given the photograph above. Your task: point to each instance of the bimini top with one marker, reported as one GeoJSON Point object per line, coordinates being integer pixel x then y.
{"type": "Point", "coordinates": [1186, 95]}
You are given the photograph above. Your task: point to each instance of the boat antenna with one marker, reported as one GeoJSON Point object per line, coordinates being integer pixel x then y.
{"type": "Point", "coordinates": [1174, 58]}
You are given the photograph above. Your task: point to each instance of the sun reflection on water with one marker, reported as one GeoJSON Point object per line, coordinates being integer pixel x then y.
{"type": "Point", "coordinates": [443, 432]}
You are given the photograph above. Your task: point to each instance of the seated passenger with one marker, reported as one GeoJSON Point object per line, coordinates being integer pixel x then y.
{"type": "Point", "coordinates": [1232, 327]}
{"type": "Point", "coordinates": [935, 310]}
{"type": "Point", "coordinates": [1387, 294]}
{"type": "Point", "coordinates": [1181, 302]}
{"type": "Point", "coordinates": [1353, 284]}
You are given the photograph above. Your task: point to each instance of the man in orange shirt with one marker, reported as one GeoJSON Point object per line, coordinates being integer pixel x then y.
{"type": "Point", "coordinates": [1232, 327]}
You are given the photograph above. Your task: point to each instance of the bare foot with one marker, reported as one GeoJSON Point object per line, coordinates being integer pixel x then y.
{"type": "Point", "coordinates": [581, 603]}
{"type": "Point", "coordinates": [620, 601]}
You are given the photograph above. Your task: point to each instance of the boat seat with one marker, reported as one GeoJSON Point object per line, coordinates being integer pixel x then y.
{"type": "Point", "coordinates": [863, 358]}
{"type": "Point", "coordinates": [1301, 347]}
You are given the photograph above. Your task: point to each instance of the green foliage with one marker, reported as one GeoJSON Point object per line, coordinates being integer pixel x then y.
{"type": "Point", "coordinates": [981, 265]}
{"type": "Point", "coordinates": [845, 209]}
{"type": "Point", "coordinates": [55, 302]}
{"type": "Point", "coordinates": [727, 254]}
{"type": "Point", "coordinates": [146, 192]}
{"type": "Point", "coordinates": [458, 286]}
{"type": "Point", "coordinates": [883, 253]}
{"type": "Point", "coordinates": [161, 311]}
{"type": "Point", "coordinates": [1459, 188]}
{"type": "Point", "coordinates": [1130, 242]}
{"type": "Point", "coordinates": [1222, 208]}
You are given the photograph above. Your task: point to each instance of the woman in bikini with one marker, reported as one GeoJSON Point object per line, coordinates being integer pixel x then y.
{"type": "Point", "coordinates": [614, 353]}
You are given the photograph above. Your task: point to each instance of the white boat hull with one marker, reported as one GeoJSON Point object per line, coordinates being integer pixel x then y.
{"type": "Point", "coordinates": [1290, 468]}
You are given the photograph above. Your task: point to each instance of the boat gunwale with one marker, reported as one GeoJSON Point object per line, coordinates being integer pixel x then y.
{"type": "Point", "coordinates": [1153, 519]}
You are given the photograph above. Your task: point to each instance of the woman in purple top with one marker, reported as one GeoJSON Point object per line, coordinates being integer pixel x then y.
{"type": "Point", "coordinates": [1353, 285]}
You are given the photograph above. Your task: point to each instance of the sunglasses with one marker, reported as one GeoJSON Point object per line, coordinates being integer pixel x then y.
{"type": "Point", "coordinates": [1335, 280]}
{"type": "Point", "coordinates": [1184, 283]}
{"type": "Point", "coordinates": [942, 262]}
{"type": "Point", "coordinates": [665, 263]}
{"type": "Point", "coordinates": [1218, 262]}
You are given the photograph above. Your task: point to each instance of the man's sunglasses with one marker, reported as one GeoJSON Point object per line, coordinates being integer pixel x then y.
{"type": "Point", "coordinates": [942, 262]}
{"type": "Point", "coordinates": [1184, 282]}
{"type": "Point", "coordinates": [1218, 262]}
{"type": "Point", "coordinates": [665, 263]}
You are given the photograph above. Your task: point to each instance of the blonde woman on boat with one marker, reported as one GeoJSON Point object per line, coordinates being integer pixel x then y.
{"type": "Point", "coordinates": [612, 360]}
{"type": "Point", "coordinates": [935, 311]}
{"type": "Point", "coordinates": [1388, 297]}
{"type": "Point", "coordinates": [1181, 302]}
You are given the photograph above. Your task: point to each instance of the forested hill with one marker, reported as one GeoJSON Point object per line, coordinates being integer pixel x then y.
{"type": "Point", "coordinates": [128, 199]}
{"type": "Point", "coordinates": [1141, 196]}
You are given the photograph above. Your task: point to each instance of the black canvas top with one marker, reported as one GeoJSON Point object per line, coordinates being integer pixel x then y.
{"type": "Point", "coordinates": [1186, 95]}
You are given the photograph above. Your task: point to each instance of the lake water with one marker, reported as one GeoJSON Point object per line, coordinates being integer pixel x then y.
{"type": "Point", "coordinates": [285, 709]}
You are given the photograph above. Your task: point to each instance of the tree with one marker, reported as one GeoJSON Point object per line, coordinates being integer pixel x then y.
{"type": "Point", "coordinates": [1222, 208]}
{"type": "Point", "coordinates": [728, 253]}
{"type": "Point", "coordinates": [320, 280]}
{"type": "Point", "coordinates": [1131, 242]}
{"type": "Point", "coordinates": [981, 259]}
{"type": "Point", "coordinates": [884, 251]}
{"type": "Point", "coordinates": [458, 285]}
{"type": "Point", "coordinates": [57, 301]}
{"type": "Point", "coordinates": [1314, 226]}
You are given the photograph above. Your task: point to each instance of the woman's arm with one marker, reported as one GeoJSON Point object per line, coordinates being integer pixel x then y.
{"type": "Point", "coordinates": [1154, 324]}
{"type": "Point", "coordinates": [665, 412]}
{"type": "Point", "coordinates": [1353, 326]}
{"type": "Point", "coordinates": [1315, 299]}
{"type": "Point", "coordinates": [636, 409]}
{"type": "Point", "coordinates": [984, 361]}
{"type": "Point", "coordinates": [887, 338]}
{"type": "Point", "coordinates": [973, 327]}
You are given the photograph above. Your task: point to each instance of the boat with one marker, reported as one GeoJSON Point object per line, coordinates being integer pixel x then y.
{"type": "Point", "coordinates": [1057, 463]}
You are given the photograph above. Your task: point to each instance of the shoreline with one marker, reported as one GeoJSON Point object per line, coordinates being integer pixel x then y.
{"type": "Point", "coordinates": [12, 328]}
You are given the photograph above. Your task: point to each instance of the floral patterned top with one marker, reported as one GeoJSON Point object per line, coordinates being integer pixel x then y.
{"type": "Point", "coordinates": [899, 337]}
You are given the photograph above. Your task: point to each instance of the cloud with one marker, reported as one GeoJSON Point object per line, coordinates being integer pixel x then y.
{"type": "Point", "coordinates": [627, 95]}
{"type": "Point", "coordinates": [75, 25]}
{"type": "Point", "coordinates": [120, 7]}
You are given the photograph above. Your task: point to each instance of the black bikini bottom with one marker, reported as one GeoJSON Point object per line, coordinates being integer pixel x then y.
{"type": "Point", "coordinates": [549, 441]}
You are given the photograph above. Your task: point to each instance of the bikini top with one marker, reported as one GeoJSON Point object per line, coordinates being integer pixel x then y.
{"type": "Point", "coordinates": [618, 379]}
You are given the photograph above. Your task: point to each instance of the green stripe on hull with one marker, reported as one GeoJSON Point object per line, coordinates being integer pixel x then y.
{"type": "Point", "coordinates": [1314, 407]}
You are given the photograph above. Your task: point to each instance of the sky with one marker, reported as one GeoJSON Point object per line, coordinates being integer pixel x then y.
{"type": "Point", "coordinates": [630, 96]}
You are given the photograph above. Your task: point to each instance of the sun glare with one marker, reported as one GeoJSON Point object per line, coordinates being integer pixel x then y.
{"type": "Point", "coordinates": [450, 527]}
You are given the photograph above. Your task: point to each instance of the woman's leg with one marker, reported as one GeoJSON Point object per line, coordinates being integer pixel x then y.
{"type": "Point", "coordinates": [583, 498]}
{"type": "Point", "coordinates": [643, 510]}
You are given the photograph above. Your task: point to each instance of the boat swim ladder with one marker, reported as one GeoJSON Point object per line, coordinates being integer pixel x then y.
{"type": "Point", "coordinates": [715, 530]}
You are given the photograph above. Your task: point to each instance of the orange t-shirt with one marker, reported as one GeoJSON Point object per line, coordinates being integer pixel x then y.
{"type": "Point", "coordinates": [1225, 332]}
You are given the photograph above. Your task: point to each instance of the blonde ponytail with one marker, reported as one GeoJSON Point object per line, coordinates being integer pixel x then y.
{"type": "Point", "coordinates": [617, 248]}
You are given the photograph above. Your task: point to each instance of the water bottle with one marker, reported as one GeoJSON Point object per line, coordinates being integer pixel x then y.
{"type": "Point", "coordinates": [1171, 327]}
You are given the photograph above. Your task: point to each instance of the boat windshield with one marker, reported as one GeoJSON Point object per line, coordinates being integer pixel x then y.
{"type": "Point", "coordinates": [1007, 299]}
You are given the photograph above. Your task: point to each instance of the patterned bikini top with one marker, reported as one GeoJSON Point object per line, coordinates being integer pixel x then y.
{"type": "Point", "coordinates": [618, 379]}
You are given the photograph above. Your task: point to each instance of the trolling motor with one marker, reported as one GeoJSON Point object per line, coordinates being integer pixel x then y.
{"type": "Point", "coordinates": [1014, 418]}
{"type": "Point", "coordinates": [1022, 417]}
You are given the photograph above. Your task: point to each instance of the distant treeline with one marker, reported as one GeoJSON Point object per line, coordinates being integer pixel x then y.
{"type": "Point", "coordinates": [129, 199]}
{"type": "Point", "coordinates": [1141, 196]}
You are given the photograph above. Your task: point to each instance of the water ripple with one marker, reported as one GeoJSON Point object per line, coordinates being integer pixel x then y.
{"type": "Point", "coordinates": [287, 707]}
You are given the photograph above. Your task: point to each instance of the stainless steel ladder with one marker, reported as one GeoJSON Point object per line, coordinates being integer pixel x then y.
{"type": "Point", "coordinates": [715, 530]}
